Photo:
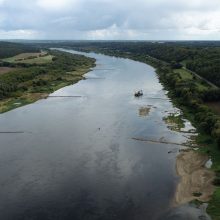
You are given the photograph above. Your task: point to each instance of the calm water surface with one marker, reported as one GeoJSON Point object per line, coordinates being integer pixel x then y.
{"type": "Point", "coordinates": [76, 158]}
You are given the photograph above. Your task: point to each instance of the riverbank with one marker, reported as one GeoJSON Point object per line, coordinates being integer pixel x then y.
{"type": "Point", "coordinates": [31, 82]}
{"type": "Point", "coordinates": [185, 96]}
{"type": "Point", "coordinates": [196, 178]}
{"type": "Point", "coordinates": [208, 149]}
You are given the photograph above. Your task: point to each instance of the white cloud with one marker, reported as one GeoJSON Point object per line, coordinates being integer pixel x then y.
{"type": "Point", "coordinates": [18, 34]}
{"type": "Point", "coordinates": [199, 22]}
{"type": "Point", "coordinates": [113, 19]}
{"type": "Point", "coordinates": [115, 33]}
{"type": "Point", "coordinates": [56, 5]}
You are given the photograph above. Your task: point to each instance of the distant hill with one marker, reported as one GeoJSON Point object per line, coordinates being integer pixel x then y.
{"type": "Point", "coordinates": [8, 49]}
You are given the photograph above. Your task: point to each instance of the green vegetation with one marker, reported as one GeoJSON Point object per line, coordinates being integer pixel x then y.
{"type": "Point", "coordinates": [32, 80]}
{"type": "Point", "coordinates": [214, 205]}
{"type": "Point", "coordinates": [11, 49]}
{"type": "Point", "coordinates": [206, 63]}
{"type": "Point", "coordinates": [197, 194]}
{"type": "Point", "coordinates": [30, 58]}
{"type": "Point", "coordinates": [196, 203]}
{"type": "Point", "coordinates": [184, 74]}
{"type": "Point", "coordinates": [175, 122]}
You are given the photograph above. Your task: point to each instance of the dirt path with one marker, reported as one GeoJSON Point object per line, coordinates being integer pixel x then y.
{"type": "Point", "coordinates": [4, 70]}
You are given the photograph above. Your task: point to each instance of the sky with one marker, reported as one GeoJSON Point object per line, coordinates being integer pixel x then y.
{"type": "Point", "coordinates": [110, 19]}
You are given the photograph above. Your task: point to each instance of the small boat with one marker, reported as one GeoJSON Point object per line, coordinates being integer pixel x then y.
{"type": "Point", "coordinates": [138, 93]}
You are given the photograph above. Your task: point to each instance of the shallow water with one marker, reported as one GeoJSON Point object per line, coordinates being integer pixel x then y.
{"type": "Point", "coordinates": [77, 158]}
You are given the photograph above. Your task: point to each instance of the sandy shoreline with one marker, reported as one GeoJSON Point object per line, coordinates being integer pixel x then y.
{"type": "Point", "coordinates": [195, 179]}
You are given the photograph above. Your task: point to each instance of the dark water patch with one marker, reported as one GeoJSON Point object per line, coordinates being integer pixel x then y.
{"type": "Point", "coordinates": [161, 142]}
{"type": "Point", "coordinates": [12, 132]}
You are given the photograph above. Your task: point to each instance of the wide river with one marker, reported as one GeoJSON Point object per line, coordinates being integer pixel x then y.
{"type": "Point", "coordinates": [81, 158]}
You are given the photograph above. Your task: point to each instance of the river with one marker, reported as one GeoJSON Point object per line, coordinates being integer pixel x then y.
{"type": "Point", "coordinates": [89, 157]}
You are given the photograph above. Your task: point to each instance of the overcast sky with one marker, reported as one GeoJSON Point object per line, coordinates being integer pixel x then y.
{"type": "Point", "coordinates": [110, 19]}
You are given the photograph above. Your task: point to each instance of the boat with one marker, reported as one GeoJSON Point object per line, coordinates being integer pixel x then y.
{"type": "Point", "coordinates": [138, 93]}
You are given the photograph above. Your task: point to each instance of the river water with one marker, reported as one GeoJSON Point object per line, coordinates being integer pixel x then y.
{"type": "Point", "coordinates": [84, 157]}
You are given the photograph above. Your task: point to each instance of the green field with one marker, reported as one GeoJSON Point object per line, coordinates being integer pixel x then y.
{"type": "Point", "coordinates": [184, 74]}
{"type": "Point", "coordinates": [30, 58]}
{"type": "Point", "coordinates": [187, 76]}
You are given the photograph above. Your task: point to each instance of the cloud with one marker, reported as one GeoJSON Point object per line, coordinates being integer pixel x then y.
{"type": "Point", "coordinates": [115, 33]}
{"type": "Point", "coordinates": [112, 19]}
{"type": "Point", "coordinates": [18, 34]}
{"type": "Point", "coordinates": [56, 5]}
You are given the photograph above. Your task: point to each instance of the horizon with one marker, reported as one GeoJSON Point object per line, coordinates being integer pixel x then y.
{"type": "Point", "coordinates": [104, 40]}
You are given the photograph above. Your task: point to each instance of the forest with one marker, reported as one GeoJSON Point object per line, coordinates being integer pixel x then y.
{"type": "Point", "coordinates": [8, 49]}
